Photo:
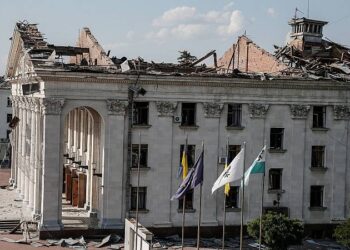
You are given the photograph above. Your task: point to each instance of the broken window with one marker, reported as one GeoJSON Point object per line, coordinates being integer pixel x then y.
{"type": "Point", "coordinates": [233, 150]}
{"type": "Point", "coordinates": [232, 199]}
{"type": "Point", "coordinates": [188, 201]}
{"type": "Point", "coordinates": [191, 153]}
{"type": "Point", "coordinates": [319, 117]}
{"type": "Point", "coordinates": [316, 196]}
{"type": "Point", "coordinates": [143, 156]}
{"type": "Point", "coordinates": [9, 118]}
{"type": "Point", "coordinates": [275, 179]}
{"type": "Point", "coordinates": [276, 138]}
{"type": "Point", "coordinates": [188, 114]}
{"type": "Point", "coordinates": [140, 113]}
{"type": "Point", "coordinates": [317, 156]}
{"type": "Point", "coordinates": [234, 115]}
{"type": "Point", "coordinates": [142, 198]}
{"type": "Point", "coordinates": [9, 102]}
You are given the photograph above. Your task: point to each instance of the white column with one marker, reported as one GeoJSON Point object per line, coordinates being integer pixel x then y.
{"type": "Point", "coordinates": [38, 162]}
{"type": "Point", "coordinates": [27, 151]}
{"type": "Point", "coordinates": [33, 144]}
{"type": "Point", "coordinates": [51, 204]}
{"type": "Point", "coordinates": [23, 146]}
{"type": "Point", "coordinates": [19, 147]}
{"type": "Point", "coordinates": [14, 148]}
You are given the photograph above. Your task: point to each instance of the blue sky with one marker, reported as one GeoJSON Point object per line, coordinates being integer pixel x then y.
{"type": "Point", "coordinates": [157, 29]}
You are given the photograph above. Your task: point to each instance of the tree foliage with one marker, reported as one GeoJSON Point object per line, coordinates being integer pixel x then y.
{"type": "Point", "coordinates": [278, 231]}
{"type": "Point", "coordinates": [186, 58]}
{"type": "Point", "coordinates": [342, 233]}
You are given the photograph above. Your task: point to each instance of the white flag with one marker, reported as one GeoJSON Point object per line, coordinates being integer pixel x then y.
{"type": "Point", "coordinates": [232, 173]}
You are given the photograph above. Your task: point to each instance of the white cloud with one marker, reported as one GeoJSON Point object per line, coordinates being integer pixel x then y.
{"type": "Point", "coordinates": [229, 6]}
{"type": "Point", "coordinates": [159, 35]}
{"type": "Point", "coordinates": [188, 31]}
{"type": "Point", "coordinates": [271, 12]}
{"type": "Point", "coordinates": [176, 15]}
{"type": "Point", "coordinates": [235, 24]}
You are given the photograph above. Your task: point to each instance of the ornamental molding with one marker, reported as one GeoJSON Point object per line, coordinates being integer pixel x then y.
{"type": "Point", "coordinates": [257, 110]}
{"type": "Point", "coordinates": [116, 107]}
{"type": "Point", "coordinates": [51, 106]}
{"type": "Point", "coordinates": [341, 112]}
{"type": "Point", "coordinates": [212, 109]}
{"type": "Point", "coordinates": [166, 108]}
{"type": "Point", "coordinates": [299, 111]}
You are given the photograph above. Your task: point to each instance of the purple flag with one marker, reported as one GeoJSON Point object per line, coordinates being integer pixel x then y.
{"type": "Point", "coordinates": [193, 179]}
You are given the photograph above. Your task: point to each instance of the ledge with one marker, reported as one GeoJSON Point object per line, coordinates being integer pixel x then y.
{"type": "Point", "coordinates": [234, 128]}
{"type": "Point", "coordinates": [318, 169]}
{"type": "Point", "coordinates": [186, 211]}
{"type": "Point", "coordinates": [320, 129]}
{"type": "Point", "coordinates": [141, 126]}
{"type": "Point", "coordinates": [141, 211]}
{"type": "Point", "coordinates": [233, 209]}
{"type": "Point", "coordinates": [277, 151]}
{"type": "Point", "coordinates": [194, 127]}
{"type": "Point", "coordinates": [317, 208]}
{"type": "Point", "coordinates": [141, 169]}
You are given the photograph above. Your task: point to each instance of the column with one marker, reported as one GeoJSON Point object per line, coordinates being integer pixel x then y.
{"type": "Point", "coordinates": [112, 194]}
{"type": "Point", "coordinates": [19, 147]}
{"type": "Point", "coordinates": [51, 200]}
{"type": "Point", "coordinates": [32, 153]}
{"type": "Point", "coordinates": [38, 162]}
{"type": "Point", "coordinates": [13, 180]}
{"type": "Point", "coordinates": [27, 150]}
{"type": "Point", "coordinates": [23, 148]}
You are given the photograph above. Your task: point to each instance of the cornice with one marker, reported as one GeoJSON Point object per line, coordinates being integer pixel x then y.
{"type": "Point", "coordinates": [195, 81]}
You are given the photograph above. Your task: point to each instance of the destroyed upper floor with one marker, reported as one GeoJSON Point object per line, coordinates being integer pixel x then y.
{"type": "Point", "coordinates": [306, 56]}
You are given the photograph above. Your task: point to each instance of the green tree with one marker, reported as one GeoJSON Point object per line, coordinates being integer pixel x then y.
{"type": "Point", "coordinates": [342, 233]}
{"type": "Point", "coordinates": [186, 58]}
{"type": "Point", "coordinates": [278, 231]}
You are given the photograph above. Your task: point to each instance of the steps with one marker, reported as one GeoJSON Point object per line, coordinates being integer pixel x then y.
{"type": "Point", "coordinates": [8, 225]}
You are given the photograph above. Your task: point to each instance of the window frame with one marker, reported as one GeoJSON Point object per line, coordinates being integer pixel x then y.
{"type": "Point", "coordinates": [9, 118]}
{"type": "Point", "coordinates": [234, 115]}
{"type": "Point", "coordinates": [9, 102]}
{"type": "Point", "coordinates": [140, 113]}
{"type": "Point", "coordinates": [234, 197]}
{"type": "Point", "coordinates": [233, 151]}
{"type": "Point", "coordinates": [316, 121]}
{"type": "Point", "coordinates": [142, 197]}
{"type": "Point", "coordinates": [274, 135]}
{"type": "Point", "coordinates": [315, 150]}
{"type": "Point", "coordinates": [186, 112]}
{"type": "Point", "coordinates": [143, 158]}
{"type": "Point", "coordinates": [188, 202]}
{"type": "Point", "coordinates": [271, 180]}
{"type": "Point", "coordinates": [321, 196]}
{"type": "Point", "coordinates": [191, 154]}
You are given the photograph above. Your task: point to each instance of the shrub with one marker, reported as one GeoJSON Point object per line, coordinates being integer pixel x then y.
{"type": "Point", "coordinates": [342, 233]}
{"type": "Point", "coordinates": [278, 231]}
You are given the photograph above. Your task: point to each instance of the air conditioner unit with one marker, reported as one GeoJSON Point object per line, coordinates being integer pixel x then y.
{"type": "Point", "coordinates": [222, 160]}
{"type": "Point", "coordinates": [177, 119]}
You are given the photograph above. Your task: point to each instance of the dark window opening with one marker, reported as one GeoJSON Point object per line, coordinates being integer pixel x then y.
{"type": "Point", "coordinates": [276, 138]}
{"type": "Point", "coordinates": [234, 115]}
{"type": "Point", "coordinates": [319, 117]}
{"type": "Point", "coordinates": [9, 118]}
{"type": "Point", "coordinates": [140, 113]}
{"type": "Point", "coordinates": [9, 102]}
{"type": "Point", "coordinates": [188, 114]}
{"type": "Point", "coordinates": [143, 156]}
{"type": "Point", "coordinates": [142, 197]}
{"type": "Point", "coordinates": [8, 132]}
{"type": "Point", "coordinates": [233, 150]}
{"type": "Point", "coordinates": [316, 196]}
{"type": "Point", "coordinates": [191, 153]}
{"type": "Point", "coordinates": [275, 179]}
{"type": "Point", "coordinates": [317, 156]}
{"type": "Point", "coordinates": [232, 199]}
{"type": "Point", "coordinates": [188, 201]}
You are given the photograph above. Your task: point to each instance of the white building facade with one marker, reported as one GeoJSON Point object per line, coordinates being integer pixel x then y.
{"type": "Point", "coordinates": [81, 121]}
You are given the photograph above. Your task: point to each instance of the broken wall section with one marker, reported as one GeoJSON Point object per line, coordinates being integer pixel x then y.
{"type": "Point", "coordinates": [96, 56]}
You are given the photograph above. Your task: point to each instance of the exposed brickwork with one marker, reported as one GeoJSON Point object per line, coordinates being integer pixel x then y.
{"type": "Point", "coordinates": [249, 57]}
{"type": "Point", "coordinates": [97, 55]}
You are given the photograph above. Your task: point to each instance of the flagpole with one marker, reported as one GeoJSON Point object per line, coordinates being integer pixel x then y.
{"type": "Point", "coordinates": [137, 190]}
{"type": "Point", "coordinates": [224, 215]}
{"type": "Point", "coordinates": [200, 208]}
{"type": "Point", "coordinates": [262, 209]}
{"type": "Point", "coordinates": [242, 201]}
{"type": "Point", "coordinates": [183, 205]}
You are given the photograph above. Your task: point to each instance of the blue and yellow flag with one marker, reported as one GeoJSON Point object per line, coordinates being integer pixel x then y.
{"type": "Point", "coordinates": [184, 164]}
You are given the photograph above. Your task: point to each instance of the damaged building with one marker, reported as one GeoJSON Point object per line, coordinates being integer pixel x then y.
{"type": "Point", "coordinates": [83, 113]}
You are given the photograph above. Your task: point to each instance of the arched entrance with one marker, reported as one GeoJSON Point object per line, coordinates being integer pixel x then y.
{"type": "Point", "coordinates": [82, 168]}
